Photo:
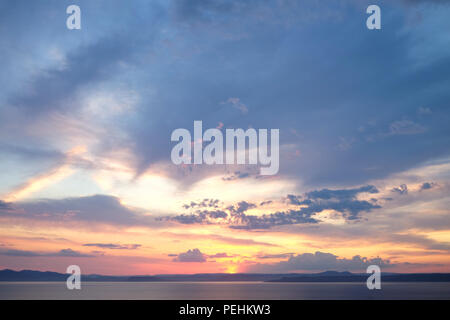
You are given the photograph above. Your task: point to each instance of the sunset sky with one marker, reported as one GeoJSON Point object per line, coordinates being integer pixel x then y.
{"type": "Point", "coordinates": [86, 117]}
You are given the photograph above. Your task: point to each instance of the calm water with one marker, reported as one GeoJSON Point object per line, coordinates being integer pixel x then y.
{"type": "Point", "coordinates": [222, 290]}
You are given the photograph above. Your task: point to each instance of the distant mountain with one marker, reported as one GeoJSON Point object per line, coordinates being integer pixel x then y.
{"type": "Point", "coordinates": [334, 273]}
{"type": "Point", "coordinates": [30, 275]}
{"type": "Point", "coordinates": [327, 276]}
{"type": "Point", "coordinates": [349, 277]}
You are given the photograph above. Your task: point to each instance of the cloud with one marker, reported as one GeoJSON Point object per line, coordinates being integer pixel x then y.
{"type": "Point", "coordinates": [193, 255]}
{"type": "Point", "coordinates": [340, 194]}
{"type": "Point", "coordinates": [241, 241]}
{"type": "Point", "coordinates": [62, 253]}
{"type": "Point", "coordinates": [5, 205]}
{"type": "Point", "coordinates": [58, 90]}
{"type": "Point", "coordinates": [237, 175]}
{"type": "Point", "coordinates": [113, 246]}
{"type": "Point", "coordinates": [402, 189]}
{"type": "Point", "coordinates": [97, 208]}
{"type": "Point", "coordinates": [201, 216]}
{"type": "Point", "coordinates": [424, 110]}
{"type": "Point", "coordinates": [237, 104]}
{"type": "Point", "coordinates": [274, 256]}
{"type": "Point", "coordinates": [71, 253]}
{"type": "Point", "coordinates": [221, 255]}
{"type": "Point", "coordinates": [293, 199]}
{"type": "Point", "coordinates": [245, 47]}
{"type": "Point", "coordinates": [241, 207]}
{"type": "Point", "coordinates": [217, 237]}
{"type": "Point", "coordinates": [19, 253]}
{"type": "Point", "coordinates": [319, 261]}
{"type": "Point", "coordinates": [341, 200]}
{"type": "Point", "coordinates": [419, 240]}
{"type": "Point", "coordinates": [27, 152]}
{"type": "Point", "coordinates": [111, 53]}
{"type": "Point", "coordinates": [345, 143]}
{"type": "Point", "coordinates": [205, 203]}
{"type": "Point", "coordinates": [267, 221]}
{"type": "Point", "coordinates": [405, 127]}
{"type": "Point", "coordinates": [187, 218]}
{"type": "Point", "coordinates": [58, 172]}
{"type": "Point", "coordinates": [427, 185]}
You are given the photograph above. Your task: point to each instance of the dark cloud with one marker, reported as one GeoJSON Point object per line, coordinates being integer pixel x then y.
{"type": "Point", "coordinates": [241, 207]}
{"type": "Point", "coordinates": [71, 253]}
{"type": "Point", "coordinates": [327, 194]}
{"type": "Point", "coordinates": [341, 200]}
{"type": "Point", "coordinates": [5, 205]}
{"type": "Point", "coordinates": [402, 189]}
{"type": "Point", "coordinates": [293, 199]}
{"type": "Point", "coordinates": [98, 208]}
{"type": "Point", "coordinates": [19, 253]}
{"type": "Point", "coordinates": [266, 221]}
{"type": "Point", "coordinates": [427, 185]}
{"type": "Point", "coordinates": [194, 255]}
{"type": "Point", "coordinates": [187, 218]}
{"type": "Point", "coordinates": [201, 216]}
{"type": "Point", "coordinates": [215, 214]}
{"type": "Point", "coordinates": [237, 175]}
{"type": "Point", "coordinates": [88, 60]}
{"type": "Point", "coordinates": [320, 261]}
{"type": "Point", "coordinates": [31, 152]}
{"type": "Point", "coordinates": [205, 203]}
{"type": "Point", "coordinates": [84, 67]}
{"type": "Point", "coordinates": [113, 246]}
{"type": "Point", "coordinates": [209, 216]}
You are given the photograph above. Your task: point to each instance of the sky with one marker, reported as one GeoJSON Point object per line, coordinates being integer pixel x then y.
{"type": "Point", "coordinates": [86, 118]}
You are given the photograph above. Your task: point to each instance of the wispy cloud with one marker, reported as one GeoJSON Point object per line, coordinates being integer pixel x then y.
{"type": "Point", "coordinates": [61, 253]}
{"type": "Point", "coordinates": [113, 246]}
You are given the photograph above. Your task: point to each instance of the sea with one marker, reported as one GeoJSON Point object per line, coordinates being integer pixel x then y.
{"type": "Point", "coordinates": [224, 291]}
